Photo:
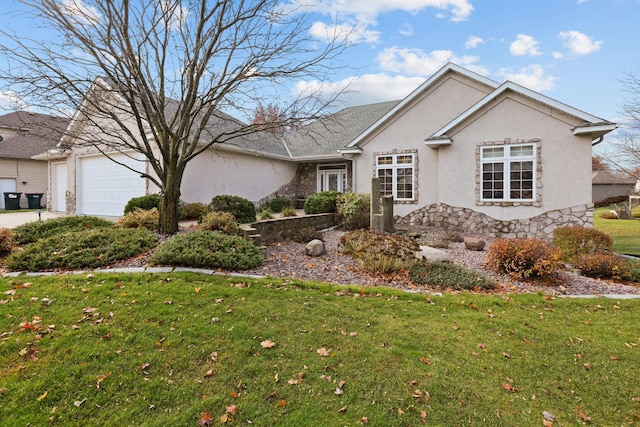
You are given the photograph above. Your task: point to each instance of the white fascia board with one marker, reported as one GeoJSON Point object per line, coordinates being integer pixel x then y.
{"type": "Point", "coordinates": [448, 67]}
{"type": "Point", "coordinates": [597, 129]}
{"type": "Point", "coordinates": [350, 150]}
{"type": "Point", "coordinates": [437, 142]}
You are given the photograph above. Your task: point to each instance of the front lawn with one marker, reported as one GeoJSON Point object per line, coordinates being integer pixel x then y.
{"type": "Point", "coordinates": [624, 232]}
{"type": "Point", "coordinates": [189, 350]}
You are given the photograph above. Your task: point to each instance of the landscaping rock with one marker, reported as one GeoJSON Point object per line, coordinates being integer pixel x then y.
{"type": "Point", "coordinates": [430, 254]}
{"type": "Point", "coordinates": [314, 248]}
{"type": "Point", "coordinates": [474, 244]}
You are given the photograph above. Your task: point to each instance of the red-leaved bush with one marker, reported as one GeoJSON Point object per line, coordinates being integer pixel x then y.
{"type": "Point", "coordinates": [523, 258]}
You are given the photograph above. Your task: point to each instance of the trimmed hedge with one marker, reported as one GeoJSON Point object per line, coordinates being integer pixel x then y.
{"type": "Point", "coordinates": [322, 202]}
{"type": "Point", "coordinates": [447, 275]}
{"type": "Point", "coordinates": [242, 209]}
{"type": "Point", "coordinates": [146, 203]}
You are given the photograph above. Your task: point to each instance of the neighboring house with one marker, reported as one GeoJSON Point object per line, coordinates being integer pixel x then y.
{"type": "Point", "coordinates": [461, 151]}
{"type": "Point", "coordinates": [24, 135]}
{"type": "Point", "coordinates": [605, 184]}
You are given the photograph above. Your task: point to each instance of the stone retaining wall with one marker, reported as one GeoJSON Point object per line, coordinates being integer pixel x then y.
{"type": "Point", "coordinates": [464, 219]}
{"type": "Point", "coordinates": [286, 229]}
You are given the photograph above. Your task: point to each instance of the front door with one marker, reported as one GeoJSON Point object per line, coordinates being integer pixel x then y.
{"type": "Point", "coordinates": [332, 178]}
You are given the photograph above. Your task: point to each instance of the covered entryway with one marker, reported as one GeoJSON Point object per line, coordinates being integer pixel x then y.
{"type": "Point", "coordinates": [6, 185]}
{"type": "Point", "coordinates": [104, 187]}
{"type": "Point", "coordinates": [58, 187]}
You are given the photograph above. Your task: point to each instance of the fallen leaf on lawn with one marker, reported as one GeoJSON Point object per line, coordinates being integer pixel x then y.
{"type": "Point", "coordinates": [613, 358]}
{"type": "Point", "coordinates": [583, 417]}
{"type": "Point", "coordinates": [587, 366]}
{"type": "Point", "coordinates": [400, 411]}
{"type": "Point", "coordinates": [78, 403]}
{"type": "Point", "coordinates": [483, 346]}
{"type": "Point", "coordinates": [423, 417]}
{"type": "Point", "coordinates": [267, 344]}
{"type": "Point", "coordinates": [282, 403]}
{"type": "Point", "coordinates": [292, 382]}
{"type": "Point", "coordinates": [143, 367]}
{"type": "Point", "coordinates": [102, 378]}
{"type": "Point", "coordinates": [364, 420]}
{"type": "Point", "coordinates": [224, 418]}
{"type": "Point", "coordinates": [205, 420]}
{"type": "Point", "coordinates": [425, 361]}
{"type": "Point", "coordinates": [234, 394]}
{"type": "Point", "coordinates": [231, 409]}
{"type": "Point", "coordinates": [506, 355]}
{"type": "Point", "coordinates": [417, 394]}
{"type": "Point", "coordinates": [341, 384]}
{"type": "Point", "coordinates": [197, 290]}
{"type": "Point", "coordinates": [209, 373]}
{"type": "Point", "coordinates": [42, 396]}
{"type": "Point", "coordinates": [89, 309]}
{"type": "Point", "coordinates": [3, 390]}
{"type": "Point", "coordinates": [548, 416]}
{"type": "Point", "coordinates": [509, 388]}
{"type": "Point", "coordinates": [338, 391]}
{"type": "Point", "coordinates": [322, 352]}
{"type": "Point", "coordinates": [547, 423]}
{"type": "Point", "coordinates": [214, 356]}
{"type": "Point", "coordinates": [353, 334]}
{"type": "Point", "coordinates": [276, 377]}
{"type": "Point", "coordinates": [343, 409]}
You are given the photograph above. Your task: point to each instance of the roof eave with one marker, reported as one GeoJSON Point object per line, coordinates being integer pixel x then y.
{"type": "Point", "coordinates": [437, 142]}
{"type": "Point", "coordinates": [595, 130]}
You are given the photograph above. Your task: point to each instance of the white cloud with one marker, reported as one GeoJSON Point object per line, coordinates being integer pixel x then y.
{"type": "Point", "coordinates": [365, 89]}
{"type": "Point", "coordinates": [557, 55]}
{"type": "Point", "coordinates": [579, 43]}
{"type": "Point", "coordinates": [524, 45]}
{"type": "Point", "coordinates": [459, 10]}
{"type": "Point", "coordinates": [473, 42]}
{"type": "Point", "coordinates": [416, 62]}
{"type": "Point", "coordinates": [351, 33]}
{"type": "Point", "coordinates": [80, 12]}
{"type": "Point", "coordinates": [532, 77]}
{"type": "Point", "coordinates": [406, 30]}
{"type": "Point", "coordinates": [10, 101]}
{"type": "Point", "coordinates": [581, 1]}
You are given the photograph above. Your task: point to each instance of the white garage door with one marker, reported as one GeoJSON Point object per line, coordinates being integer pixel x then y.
{"type": "Point", "coordinates": [58, 187]}
{"type": "Point", "coordinates": [105, 187]}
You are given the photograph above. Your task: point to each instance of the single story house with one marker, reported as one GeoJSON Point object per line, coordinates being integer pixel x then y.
{"type": "Point", "coordinates": [24, 135]}
{"type": "Point", "coordinates": [461, 151]}
{"type": "Point", "coordinates": [606, 184]}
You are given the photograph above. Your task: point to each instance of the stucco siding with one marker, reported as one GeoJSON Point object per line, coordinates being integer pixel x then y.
{"type": "Point", "coordinates": [216, 172]}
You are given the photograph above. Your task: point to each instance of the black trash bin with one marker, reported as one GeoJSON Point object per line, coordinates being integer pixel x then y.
{"type": "Point", "coordinates": [12, 201]}
{"type": "Point", "coordinates": [35, 200]}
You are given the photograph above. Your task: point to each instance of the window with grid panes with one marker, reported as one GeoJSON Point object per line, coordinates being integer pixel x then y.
{"type": "Point", "coordinates": [508, 173]}
{"type": "Point", "coordinates": [396, 175]}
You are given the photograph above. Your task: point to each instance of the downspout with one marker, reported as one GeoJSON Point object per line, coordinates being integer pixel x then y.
{"type": "Point", "coordinates": [597, 141]}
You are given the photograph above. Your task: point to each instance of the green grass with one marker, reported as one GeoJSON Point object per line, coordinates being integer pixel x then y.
{"type": "Point", "coordinates": [136, 350]}
{"type": "Point", "coordinates": [624, 232]}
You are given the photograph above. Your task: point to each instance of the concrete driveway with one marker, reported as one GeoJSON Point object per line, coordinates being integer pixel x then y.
{"type": "Point", "coordinates": [11, 219]}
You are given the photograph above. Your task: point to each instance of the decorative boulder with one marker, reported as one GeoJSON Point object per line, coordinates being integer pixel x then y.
{"type": "Point", "coordinates": [314, 248]}
{"type": "Point", "coordinates": [474, 244]}
{"type": "Point", "coordinates": [430, 254]}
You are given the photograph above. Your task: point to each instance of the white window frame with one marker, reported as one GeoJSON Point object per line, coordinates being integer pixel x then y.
{"type": "Point", "coordinates": [508, 159]}
{"type": "Point", "coordinates": [324, 171]}
{"type": "Point", "coordinates": [395, 167]}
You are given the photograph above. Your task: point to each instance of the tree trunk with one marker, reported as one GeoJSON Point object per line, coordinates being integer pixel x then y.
{"type": "Point", "coordinates": [169, 205]}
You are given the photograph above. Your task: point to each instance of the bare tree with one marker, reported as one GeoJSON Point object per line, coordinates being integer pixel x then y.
{"type": "Point", "coordinates": [165, 77]}
{"type": "Point", "coordinates": [626, 148]}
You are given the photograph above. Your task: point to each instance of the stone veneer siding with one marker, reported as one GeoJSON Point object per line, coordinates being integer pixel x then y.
{"type": "Point", "coordinates": [464, 219]}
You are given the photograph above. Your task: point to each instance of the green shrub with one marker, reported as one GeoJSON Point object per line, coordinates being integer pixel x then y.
{"type": "Point", "coordinates": [610, 201]}
{"type": "Point", "coordinates": [385, 253]}
{"type": "Point", "coordinates": [322, 202]}
{"type": "Point", "coordinates": [139, 218]}
{"type": "Point", "coordinates": [523, 258]}
{"type": "Point", "coordinates": [82, 249]}
{"type": "Point", "coordinates": [193, 211]}
{"type": "Point", "coordinates": [278, 204]}
{"type": "Point", "coordinates": [573, 241]}
{"type": "Point", "coordinates": [6, 241]}
{"type": "Point", "coordinates": [223, 222]}
{"type": "Point", "coordinates": [289, 212]}
{"type": "Point", "coordinates": [447, 275]}
{"type": "Point", "coordinates": [146, 203]}
{"type": "Point", "coordinates": [634, 270]}
{"type": "Point", "coordinates": [353, 210]}
{"type": "Point", "coordinates": [208, 249]}
{"type": "Point", "coordinates": [266, 214]}
{"type": "Point", "coordinates": [603, 266]}
{"type": "Point", "coordinates": [33, 231]}
{"type": "Point", "coordinates": [242, 209]}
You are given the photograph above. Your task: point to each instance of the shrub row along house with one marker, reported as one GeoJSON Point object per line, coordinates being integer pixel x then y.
{"type": "Point", "coordinates": [460, 151]}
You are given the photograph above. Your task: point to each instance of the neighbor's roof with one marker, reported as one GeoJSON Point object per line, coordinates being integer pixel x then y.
{"type": "Point", "coordinates": [25, 134]}
{"type": "Point", "coordinates": [606, 177]}
{"type": "Point", "coordinates": [325, 136]}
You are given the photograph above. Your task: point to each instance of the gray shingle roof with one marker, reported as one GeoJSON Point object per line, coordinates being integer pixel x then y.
{"type": "Point", "coordinates": [324, 137]}
{"type": "Point", "coordinates": [32, 133]}
{"type": "Point", "coordinates": [606, 177]}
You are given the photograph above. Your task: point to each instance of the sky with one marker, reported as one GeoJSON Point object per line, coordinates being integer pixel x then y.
{"type": "Point", "coordinates": [575, 51]}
